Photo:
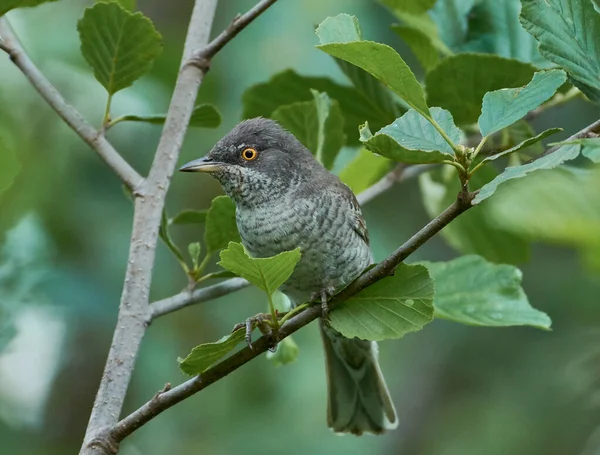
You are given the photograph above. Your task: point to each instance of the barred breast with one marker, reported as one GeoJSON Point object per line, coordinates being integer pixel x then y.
{"type": "Point", "coordinates": [324, 226]}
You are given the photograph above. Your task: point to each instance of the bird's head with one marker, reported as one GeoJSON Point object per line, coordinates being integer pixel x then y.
{"type": "Point", "coordinates": [256, 162]}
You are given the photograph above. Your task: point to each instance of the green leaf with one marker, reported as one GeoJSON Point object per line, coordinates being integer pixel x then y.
{"type": "Point", "coordinates": [194, 251]}
{"type": "Point", "coordinates": [560, 206]}
{"type": "Point", "coordinates": [567, 31]}
{"type": "Point", "coordinates": [413, 139]}
{"type": "Point", "coordinates": [287, 87]}
{"type": "Point", "coordinates": [526, 143]}
{"type": "Point", "coordinates": [203, 116]}
{"type": "Point", "coordinates": [9, 167]}
{"type": "Point", "coordinates": [120, 46]}
{"type": "Point", "coordinates": [340, 37]}
{"type": "Point", "coordinates": [7, 5]}
{"type": "Point", "coordinates": [129, 5]}
{"type": "Point", "coordinates": [205, 355]}
{"type": "Point", "coordinates": [189, 216]}
{"type": "Point", "coordinates": [590, 147]}
{"type": "Point", "coordinates": [460, 82]}
{"type": "Point", "coordinates": [286, 353]}
{"type": "Point", "coordinates": [473, 232]}
{"type": "Point", "coordinates": [318, 124]}
{"type": "Point", "coordinates": [390, 308]}
{"type": "Point", "coordinates": [221, 227]}
{"type": "Point", "coordinates": [420, 44]}
{"type": "Point", "coordinates": [409, 6]}
{"type": "Point", "coordinates": [365, 170]}
{"type": "Point", "coordinates": [488, 26]}
{"type": "Point", "coordinates": [424, 24]}
{"type": "Point", "coordinates": [472, 291]}
{"type": "Point", "coordinates": [550, 161]}
{"type": "Point", "coordinates": [266, 273]}
{"type": "Point", "coordinates": [502, 108]}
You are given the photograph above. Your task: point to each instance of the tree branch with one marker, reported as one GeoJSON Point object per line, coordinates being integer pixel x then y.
{"type": "Point", "coordinates": [589, 131]}
{"type": "Point", "coordinates": [68, 113]}
{"type": "Point", "coordinates": [186, 298]}
{"type": "Point", "coordinates": [134, 311]}
{"type": "Point", "coordinates": [399, 174]}
{"type": "Point", "coordinates": [201, 58]}
{"type": "Point", "coordinates": [163, 401]}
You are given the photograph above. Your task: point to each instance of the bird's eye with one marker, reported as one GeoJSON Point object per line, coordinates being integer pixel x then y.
{"type": "Point", "coordinates": [249, 154]}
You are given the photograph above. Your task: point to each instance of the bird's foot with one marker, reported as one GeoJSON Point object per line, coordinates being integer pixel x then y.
{"type": "Point", "coordinates": [323, 297]}
{"type": "Point", "coordinates": [263, 322]}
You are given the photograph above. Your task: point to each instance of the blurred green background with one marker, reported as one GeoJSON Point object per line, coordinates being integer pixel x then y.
{"type": "Point", "coordinates": [64, 230]}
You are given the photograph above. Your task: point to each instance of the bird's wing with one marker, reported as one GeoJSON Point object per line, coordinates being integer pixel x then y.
{"type": "Point", "coordinates": [355, 214]}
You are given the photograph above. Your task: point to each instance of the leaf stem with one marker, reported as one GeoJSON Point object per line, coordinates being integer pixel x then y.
{"type": "Point", "coordinates": [106, 119]}
{"type": "Point", "coordinates": [292, 312]}
{"type": "Point", "coordinates": [480, 146]}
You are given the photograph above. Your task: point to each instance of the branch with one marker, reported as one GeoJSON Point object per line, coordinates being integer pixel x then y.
{"type": "Point", "coordinates": [399, 174]}
{"type": "Point", "coordinates": [68, 113]}
{"type": "Point", "coordinates": [201, 58]}
{"type": "Point", "coordinates": [187, 298]}
{"type": "Point", "coordinates": [134, 311]}
{"type": "Point", "coordinates": [589, 131]}
{"type": "Point", "coordinates": [163, 401]}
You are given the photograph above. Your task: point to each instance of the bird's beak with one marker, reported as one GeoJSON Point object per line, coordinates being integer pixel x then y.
{"type": "Point", "coordinates": [204, 164]}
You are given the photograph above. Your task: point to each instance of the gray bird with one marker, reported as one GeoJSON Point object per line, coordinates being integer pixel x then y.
{"type": "Point", "coordinates": [285, 199]}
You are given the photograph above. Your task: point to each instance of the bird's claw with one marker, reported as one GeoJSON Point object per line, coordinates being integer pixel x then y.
{"type": "Point", "coordinates": [323, 297]}
{"type": "Point", "coordinates": [261, 321]}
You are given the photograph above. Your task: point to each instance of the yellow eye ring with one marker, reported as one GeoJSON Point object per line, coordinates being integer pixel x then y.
{"type": "Point", "coordinates": [249, 154]}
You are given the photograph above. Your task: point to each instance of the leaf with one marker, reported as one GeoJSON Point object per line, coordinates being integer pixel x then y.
{"type": "Point", "coordinates": [202, 357]}
{"type": "Point", "coordinates": [560, 206]}
{"type": "Point", "coordinates": [340, 37]}
{"type": "Point", "coordinates": [203, 116]}
{"type": "Point", "coordinates": [390, 308]}
{"type": "Point", "coordinates": [502, 108]}
{"type": "Point", "coordinates": [7, 5]}
{"type": "Point", "coordinates": [286, 353]}
{"type": "Point", "coordinates": [567, 31]}
{"type": "Point", "coordinates": [550, 161]}
{"type": "Point", "coordinates": [318, 124]}
{"type": "Point", "coordinates": [365, 170]}
{"type": "Point", "coordinates": [221, 227]}
{"type": "Point", "coordinates": [460, 82]}
{"type": "Point", "coordinates": [288, 87]}
{"type": "Point", "coordinates": [409, 6]}
{"type": "Point", "coordinates": [189, 216]}
{"type": "Point", "coordinates": [486, 26]}
{"type": "Point", "coordinates": [266, 273]}
{"type": "Point", "coordinates": [413, 139]}
{"type": "Point", "coordinates": [9, 167]}
{"type": "Point", "coordinates": [129, 5]}
{"type": "Point", "coordinates": [194, 251]}
{"type": "Point", "coordinates": [473, 232]}
{"type": "Point", "coordinates": [472, 291]}
{"type": "Point", "coordinates": [424, 24]}
{"type": "Point", "coordinates": [420, 44]}
{"type": "Point", "coordinates": [525, 143]}
{"type": "Point", "coordinates": [590, 147]}
{"type": "Point", "coordinates": [119, 46]}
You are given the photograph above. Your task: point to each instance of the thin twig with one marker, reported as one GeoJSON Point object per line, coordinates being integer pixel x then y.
{"type": "Point", "coordinates": [187, 298]}
{"type": "Point", "coordinates": [399, 174]}
{"type": "Point", "coordinates": [201, 58]}
{"type": "Point", "coordinates": [594, 128]}
{"type": "Point", "coordinates": [68, 113]}
{"type": "Point", "coordinates": [163, 401]}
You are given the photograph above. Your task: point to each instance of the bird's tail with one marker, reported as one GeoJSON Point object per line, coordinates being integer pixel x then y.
{"type": "Point", "coordinates": [358, 398]}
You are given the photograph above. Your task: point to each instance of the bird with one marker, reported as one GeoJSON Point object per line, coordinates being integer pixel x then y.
{"type": "Point", "coordinates": [286, 199]}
